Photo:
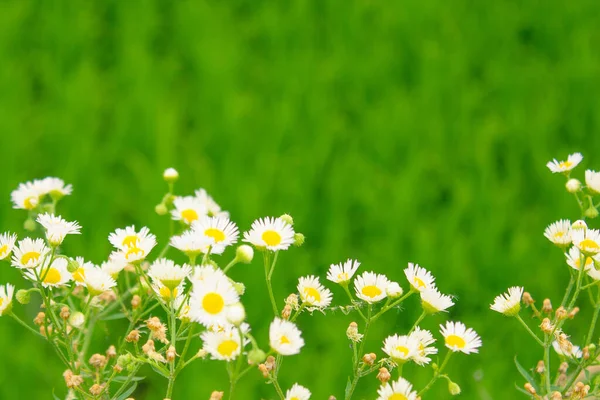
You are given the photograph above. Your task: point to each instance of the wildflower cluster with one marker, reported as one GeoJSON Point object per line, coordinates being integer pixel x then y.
{"type": "Point", "coordinates": [580, 246]}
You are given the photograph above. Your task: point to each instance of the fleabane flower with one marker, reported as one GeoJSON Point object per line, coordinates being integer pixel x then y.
{"type": "Point", "coordinates": [297, 392]}
{"type": "Point", "coordinates": [135, 252]}
{"type": "Point", "coordinates": [371, 287]}
{"type": "Point", "coordinates": [458, 338]}
{"type": "Point", "coordinates": [424, 338]}
{"type": "Point", "coordinates": [565, 166]}
{"type": "Point", "coordinates": [26, 196]}
{"type": "Point", "coordinates": [574, 259]}
{"type": "Point", "coordinates": [592, 180]}
{"type": "Point", "coordinates": [213, 209]}
{"type": "Point", "coordinates": [220, 231]}
{"type": "Point", "coordinates": [7, 244]}
{"type": "Point", "coordinates": [559, 233]}
{"type": "Point", "coordinates": [206, 272]}
{"type": "Point", "coordinates": [419, 278]}
{"type": "Point", "coordinates": [343, 272]}
{"type": "Point", "coordinates": [508, 303]}
{"type": "Point", "coordinates": [188, 209]}
{"type": "Point", "coordinates": [125, 238]}
{"type": "Point", "coordinates": [394, 290]}
{"type": "Point", "coordinates": [401, 348]}
{"type": "Point", "coordinates": [224, 344]}
{"type": "Point", "coordinates": [97, 281]}
{"type": "Point", "coordinates": [398, 390]}
{"type": "Point", "coordinates": [79, 274]}
{"type": "Point", "coordinates": [285, 337]}
{"type": "Point", "coordinates": [57, 228]}
{"type": "Point", "coordinates": [571, 352]}
{"type": "Point", "coordinates": [114, 266]}
{"type": "Point", "coordinates": [168, 273]}
{"type": "Point", "coordinates": [270, 233]}
{"type": "Point", "coordinates": [433, 301]}
{"type": "Point", "coordinates": [6, 296]}
{"type": "Point", "coordinates": [55, 187]}
{"type": "Point", "coordinates": [191, 243]}
{"type": "Point", "coordinates": [210, 298]}
{"type": "Point", "coordinates": [167, 294]}
{"type": "Point", "coordinates": [587, 241]}
{"type": "Point", "coordinates": [53, 276]}
{"type": "Point", "coordinates": [29, 253]}
{"type": "Point", "coordinates": [313, 293]}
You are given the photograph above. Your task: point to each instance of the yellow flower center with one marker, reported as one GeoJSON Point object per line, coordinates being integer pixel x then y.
{"type": "Point", "coordinates": [418, 283]}
{"type": "Point", "coordinates": [403, 350]}
{"type": "Point", "coordinates": [30, 256]}
{"type": "Point", "coordinates": [130, 241]}
{"type": "Point", "coordinates": [166, 293]}
{"type": "Point", "coordinates": [397, 396]}
{"type": "Point", "coordinates": [371, 291]}
{"type": "Point", "coordinates": [588, 262]}
{"type": "Point", "coordinates": [213, 303]}
{"type": "Point", "coordinates": [216, 234]}
{"type": "Point", "coordinates": [1, 301]}
{"type": "Point", "coordinates": [589, 244]}
{"type": "Point", "coordinates": [3, 250]}
{"type": "Point", "coordinates": [189, 215]}
{"type": "Point", "coordinates": [134, 251]}
{"type": "Point", "coordinates": [455, 341]}
{"type": "Point", "coordinates": [312, 292]}
{"type": "Point", "coordinates": [565, 164]}
{"type": "Point", "coordinates": [227, 347]}
{"type": "Point", "coordinates": [79, 275]}
{"type": "Point", "coordinates": [284, 340]}
{"type": "Point", "coordinates": [51, 276]}
{"type": "Point", "coordinates": [343, 276]}
{"type": "Point", "coordinates": [30, 202]}
{"type": "Point", "coordinates": [559, 234]}
{"type": "Point", "coordinates": [271, 238]}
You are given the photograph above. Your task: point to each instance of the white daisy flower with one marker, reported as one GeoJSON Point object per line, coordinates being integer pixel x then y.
{"type": "Point", "coordinates": [220, 230]}
{"type": "Point", "coordinates": [398, 390]}
{"type": "Point", "coordinates": [313, 293]}
{"type": "Point", "coordinates": [592, 180]}
{"type": "Point", "coordinates": [401, 348]}
{"type": "Point", "coordinates": [191, 243]}
{"type": "Point", "coordinates": [458, 338]}
{"type": "Point", "coordinates": [574, 259]}
{"type": "Point", "coordinates": [168, 273]}
{"type": "Point", "coordinates": [55, 187]}
{"type": "Point", "coordinates": [57, 228]}
{"type": "Point", "coordinates": [587, 241]}
{"type": "Point", "coordinates": [182, 304]}
{"type": "Point", "coordinates": [210, 205]}
{"type": "Point", "coordinates": [29, 253]}
{"type": "Point", "coordinates": [114, 266]}
{"type": "Point", "coordinates": [394, 290]}
{"type": "Point", "coordinates": [97, 281]}
{"type": "Point", "coordinates": [285, 337]}
{"type": "Point", "coordinates": [26, 196]}
{"type": "Point", "coordinates": [124, 239]}
{"type": "Point", "coordinates": [207, 272]}
{"type": "Point", "coordinates": [433, 301]}
{"type": "Point", "coordinates": [424, 338]}
{"type": "Point", "coordinates": [565, 166]}
{"type": "Point", "coordinates": [270, 233]}
{"type": "Point", "coordinates": [224, 344]}
{"type": "Point", "coordinates": [134, 253]}
{"type": "Point", "coordinates": [6, 296]}
{"type": "Point", "coordinates": [419, 278]}
{"type": "Point", "coordinates": [559, 232]}
{"type": "Point", "coordinates": [297, 392]}
{"type": "Point", "coordinates": [167, 294]}
{"type": "Point", "coordinates": [371, 287]}
{"type": "Point", "coordinates": [79, 274]}
{"type": "Point", "coordinates": [210, 299]}
{"type": "Point", "coordinates": [7, 244]}
{"type": "Point", "coordinates": [54, 276]}
{"type": "Point", "coordinates": [188, 209]}
{"type": "Point", "coordinates": [508, 303]}
{"type": "Point", "coordinates": [574, 353]}
{"type": "Point", "coordinates": [342, 273]}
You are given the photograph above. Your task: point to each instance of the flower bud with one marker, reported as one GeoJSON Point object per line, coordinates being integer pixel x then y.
{"type": "Point", "coordinates": [40, 319]}
{"type": "Point", "coordinates": [586, 353]}
{"type": "Point", "coordinates": [111, 352]}
{"type": "Point", "coordinates": [393, 290]}
{"type": "Point", "coordinates": [556, 396]}
{"type": "Point", "coordinates": [529, 388]}
{"type": "Point", "coordinates": [591, 212]}
{"type": "Point", "coordinates": [592, 348]}
{"type": "Point", "coordinates": [573, 312]}
{"type": "Point", "coordinates": [72, 265]}
{"type": "Point", "coordinates": [170, 175]}
{"type": "Point", "coordinates": [23, 296]}
{"type": "Point", "coordinates": [133, 336]}
{"type": "Point", "coordinates": [546, 326]}
{"type": "Point", "coordinates": [573, 185]}
{"type": "Point", "coordinates": [161, 209]}
{"type": "Point", "coordinates": [352, 333]}
{"type": "Point", "coordinates": [256, 356]}
{"type": "Point", "coordinates": [136, 301]}
{"type": "Point", "coordinates": [298, 239]}
{"type": "Point", "coordinates": [171, 354]}
{"type": "Point", "coordinates": [369, 358]}
{"type": "Point", "coordinates": [561, 313]}
{"type": "Point", "coordinates": [540, 368]}
{"type": "Point", "coordinates": [65, 313]}
{"type": "Point", "coordinates": [239, 287]}
{"type": "Point", "coordinates": [244, 254]}
{"type": "Point", "coordinates": [29, 225]}
{"type": "Point", "coordinates": [292, 300]}
{"type": "Point", "coordinates": [77, 319]}
{"type": "Point", "coordinates": [527, 299]}
{"type": "Point", "coordinates": [235, 314]}
{"type": "Point", "coordinates": [287, 219]}
{"type": "Point", "coordinates": [286, 312]}
{"type": "Point", "coordinates": [579, 224]}
{"type": "Point", "coordinates": [216, 395]}
{"type": "Point", "coordinates": [383, 375]}
{"type": "Point", "coordinates": [453, 388]}
{"type": "Point", "coordinates": [547, 306]}
{"type": "Point", "coordinates": [563, 367]}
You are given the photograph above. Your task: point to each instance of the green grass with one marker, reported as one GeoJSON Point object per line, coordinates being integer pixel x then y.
{"type": "Point", "coordinates": [405, 131]}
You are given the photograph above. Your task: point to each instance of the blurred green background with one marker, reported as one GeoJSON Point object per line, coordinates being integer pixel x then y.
{"type": "Point", "coordinates": [391, 131]}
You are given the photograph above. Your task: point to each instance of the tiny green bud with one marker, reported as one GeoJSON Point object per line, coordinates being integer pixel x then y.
{"type": "Point", "coordinates": [256, 356]}
{"type": "Point", "coordinates": [170, 175]}
{"type": "Point", "coordinates": [573, 186]}
{"type": "Point", "coordinates": [453, 388]}
{"type": "Point", "coordinates": [434, 366]}
{"type": "Point", "coordinates": [591, 212]}
{"type": "Point", "coordinates": [298, 239]}
{"type": "Point", "coordinates": [72, 265]}
{"type": "Point", "coordinates": [23, 296]}
{"type": "Point", "coordinates": [244, 254]}
{"type": "Point", "coordinates": [29, 225]}
{"type": "Point", "coordinates": [239, 288]}
{"type": "Point", "coordinates": [77, 319]}
{"type": "Point", "coordinates": [592, 348]}
{"type": "Point", "coordinates": [287, 219]}
{"type": "Point", "coordinates": [161, 209]}
{"type": "Point", "coordinates": [124, 360]}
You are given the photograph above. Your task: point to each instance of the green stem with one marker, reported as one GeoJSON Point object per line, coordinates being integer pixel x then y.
{"type": "Point", "coordinates": [391, 305]}
{"type": "Point", "coordinates": [437, 374]}
{"type": "Point", "coordinates": [361, 348]}
{"type": "Point", "coordinates": [266, 259]}
{"type": "Point", "coordinates": [423, 314]}
{"type": "Point", "coordinates": [528, 329]}
{"type": "Point", "coordinates": [25, 325]}
{"type": "Point", "coordinates": [547, 344]}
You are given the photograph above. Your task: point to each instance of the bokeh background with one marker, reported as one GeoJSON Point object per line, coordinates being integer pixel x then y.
{"type": "Point", "coordinates": [391, 131]}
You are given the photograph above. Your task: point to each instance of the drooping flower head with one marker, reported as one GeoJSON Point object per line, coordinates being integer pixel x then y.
{"type": "Point", "coordinates": [508, 303]}
{"type": "Point", "coordinates": [433, 301]}
{"type": "Point", "coordinates": [98, 281]}
{"type": "Point", "coordinates": [57, 228]}
{"type": "Point", "coordinates": [564, 166]}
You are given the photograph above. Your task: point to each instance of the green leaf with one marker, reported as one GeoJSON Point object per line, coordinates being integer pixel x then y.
{"type": "Point", "coordinates": [132, 379]}
{"type": "Point", "coordinates": [55, 396]}
{"type": "Point", "coordinates": [159, 371]}
{"type": "Point", "coordinates": [114, 316]}
{"type": "Point", "coordinates": [520, 389]}
{"type": "Point", "coordinates": [348, 387]}
{"type": "Point", "coordinates": [128, 392]}
{"type": "Point", "coordinates": [525, 374]}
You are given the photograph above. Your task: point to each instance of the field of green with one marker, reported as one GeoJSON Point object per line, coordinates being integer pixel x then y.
{"type": "Point", "coordinates": [391, 131]}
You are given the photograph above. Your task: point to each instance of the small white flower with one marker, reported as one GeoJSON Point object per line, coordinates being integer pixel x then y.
{"type": "Point", "coordinates": [297, 392]}
{"type": "Point", "coordinates": [167, 294]}
{"type": "Point", "coordinates": [371, 287]}
{"type": "Point", "coordinates": [244, 254]}
{"type": "Point", "coordinates": [401, 348]}
{"type": "Point", "coordinates": [26, 196]}
{"type": "Point", "coordinates": [559, 232]}
{"type": "Point", "coordinates": [565, 166]}
{"type": "Point", "coordinates": [207, 272]}
{"type": "Point", "coordinates": [57, 228]}
{"type": "Point", "coordinates": [587, 241]}
{"type": "Point", "coordinates": [508, 303]}
{"type": "Point", "coordinates": [458, 338]}
{"type": "Point", "coordinates": [6, 296]}
{"type": "Point", "coordinates": [394, 290]}
{"type": "Point", "coordinates": [220, 231]}
{"type": "Point", "coordinates": [313, 293]}
{"type": "Point", "coordinates": [270, 233]}
{"type": "Point", "coordinates": [342, 273]}
{"type": "Point", "coordinates": [79, 274]}
{"type": "Point", "coordinates": [188, 209]}
{"type": "Point", "coordinates": [433, 301]}
{"type": "Point", "coordinates": [424, 338]}
{"type": "Point", "coordinates": [168, 273]}
{"type": "Point", "coordinates": [7, 244]}
{"type": "Point", "coordinates": [114, 266]}
{"type": "Point", "coordinates": [224, 344]}
{"type": "Point", "coordinates": [170, 175]}
{"type": "Point", "coordinates": [419, 278]}
{"type": "Point", "coordinates": [55, 187]}
{"type": "Point", "coordinates": [214, 210]}
{"type": "Point", "coordinates": [574, 259]}
{"type": "Point", "coordinates": [124, 239]}
{"type": "Point", "coordinates": [285, 337]}
{"type": "Point", "coordinates": [210, 298]}
{"type": "Point", "coordinates": [29, 253]}
{"type": "Point", "coordinates": [592, 180]}
{"type": "Point", "coordinates": [398, 390]}
{"type": "Point", "coordinates": [191, 243]}
{"type": "Point", "coordinates": [136, 252]}
{"type": "Point", "coordinates": [574, 353]}
{"type": "Point", "coordinates": [97, 281]}
{"type": "Point", "coordinates": [235, 314]}
{"type": "Point", "coordinates": [54, 276]}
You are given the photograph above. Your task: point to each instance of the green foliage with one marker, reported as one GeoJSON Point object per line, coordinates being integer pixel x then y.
{"type": "Point", "coordinates": [405, 131]}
